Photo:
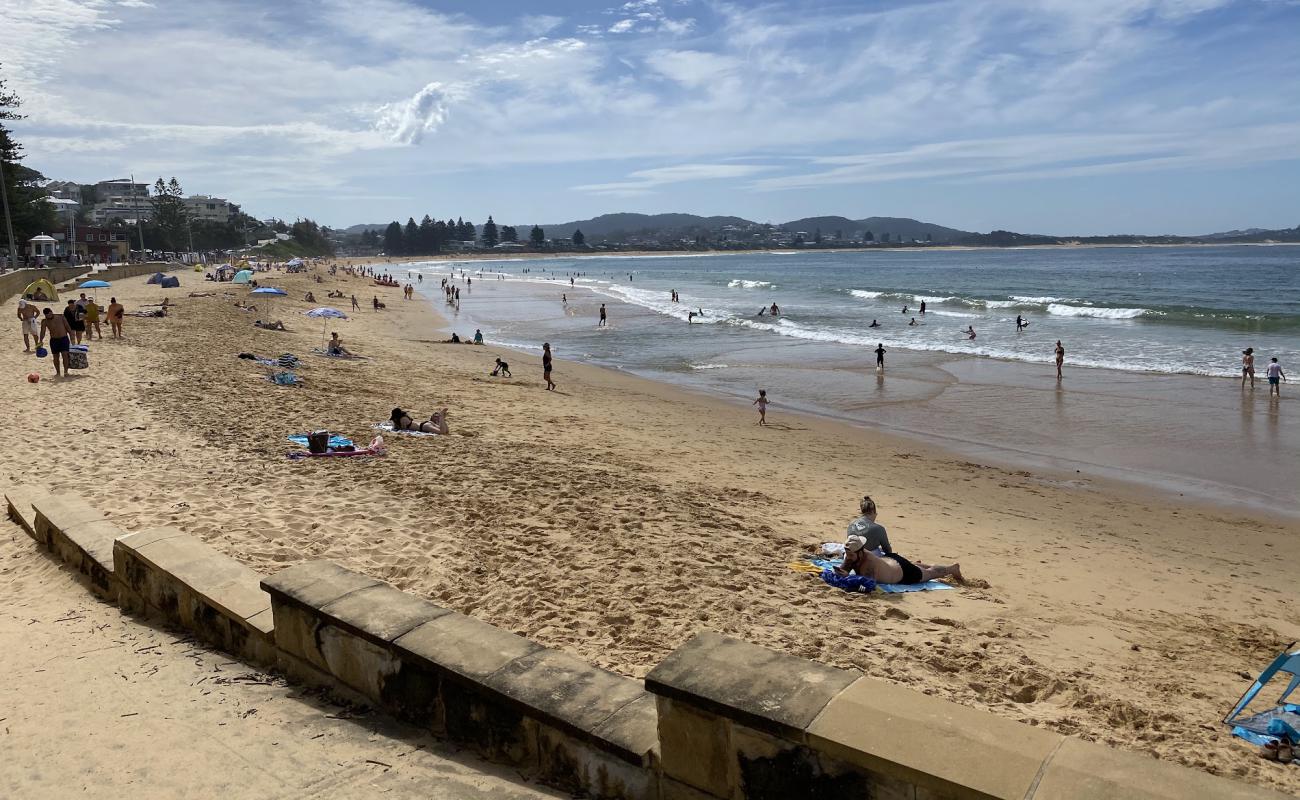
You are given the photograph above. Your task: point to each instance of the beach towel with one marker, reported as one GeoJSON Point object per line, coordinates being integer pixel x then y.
{"type": "Point", "coordinates": [376, 448]}
{"type": "Point", "coordinates": [288, 361]}
{"type": "Point", "coordinates": [821, 566]}
{"type": "Point", "coordinates": [336, 441]}
{"type": "Point", "coordinates": [316, 351]}
{"type": "Point", "coordinates": [284, 379]}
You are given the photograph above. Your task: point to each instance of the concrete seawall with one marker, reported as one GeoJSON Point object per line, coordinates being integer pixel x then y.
{"type": "Point", "coordinates": [718, 718]}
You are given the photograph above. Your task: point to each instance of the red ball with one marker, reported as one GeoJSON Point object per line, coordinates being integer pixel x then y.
{"type": "Point", "coordinates": [33, 377]}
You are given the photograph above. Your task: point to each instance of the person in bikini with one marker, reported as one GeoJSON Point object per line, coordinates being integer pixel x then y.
{"type": "Point", "coordinates": [1248, 367]}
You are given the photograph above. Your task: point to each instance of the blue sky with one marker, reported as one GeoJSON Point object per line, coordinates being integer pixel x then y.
{"type": "Point", "coordinates": [1058, 116]}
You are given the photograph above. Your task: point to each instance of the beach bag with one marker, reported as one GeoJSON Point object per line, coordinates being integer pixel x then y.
{"type": "Point", "coordinates": [318, 441]}
{"type": "Point", "coordinates": [79, 357]}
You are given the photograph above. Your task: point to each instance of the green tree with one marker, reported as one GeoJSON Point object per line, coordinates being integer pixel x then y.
{"type": "Point", "coordinates": [868, 237]}
{"type": "Point", "coordinates": [578, 239]}
{"type": "Point", "coordinates": [170, 220]}
{"type": "Point", "coordinates": [29, 209]}
{"type": "Point", "coordinates": [817, 236]}
{"type": "Point", "coordinates": [537, 237]}
{"type": "Point", "coordinates": [428, 236]}
{"type": "Point", "coordinates": [411, 238]}
{"type": "Point", "coordinates": [393, 238]}
{"type": "Point", "coordinates": [490, 237]}
{"type": "Point", "coordinates": [509, 234]}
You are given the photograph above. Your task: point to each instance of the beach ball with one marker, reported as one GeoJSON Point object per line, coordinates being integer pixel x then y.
{"type": "Point", "coordinates": [33, 377]}
{"type": "Point", "coordinates": [41, 352]}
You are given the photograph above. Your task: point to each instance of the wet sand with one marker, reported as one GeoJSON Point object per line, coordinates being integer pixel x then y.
{"type": "Point", "coordinates": [1197, 438]}
{"type": "Point", "coordinates": [617, 516]}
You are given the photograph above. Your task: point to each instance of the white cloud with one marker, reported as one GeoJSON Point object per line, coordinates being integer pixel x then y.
{"type": "Point", "coordinates": [407, 121]}
{"type": "Point", "coordinates": [643, 181]}
{"type": "Point", "coordinates": [622, 26]}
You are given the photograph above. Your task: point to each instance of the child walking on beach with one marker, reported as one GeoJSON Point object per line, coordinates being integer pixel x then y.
{"type": "Point", "coordinates": [761, 402]}
{"type": "Point", "coordinates": [1275, 377]}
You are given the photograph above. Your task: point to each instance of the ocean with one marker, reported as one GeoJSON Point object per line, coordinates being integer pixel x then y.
{"type": "Point", "coordinates": [1152, 324]}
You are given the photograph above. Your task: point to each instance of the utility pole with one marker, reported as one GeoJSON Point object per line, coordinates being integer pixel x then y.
{"type": "Point", "coordinates": [138, 226]}
{"type": "Point", "coordinates": [9, 223]}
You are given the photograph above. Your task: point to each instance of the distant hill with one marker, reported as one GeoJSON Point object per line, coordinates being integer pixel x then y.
{"type": "Point", "coordinates": [615, 227]}
{"type": "Point", "coordinates": [896, 227]}
{"type": "Point", "coordinates": [358, 229]}
{"type": "Point", "coordinates": [619, 227]}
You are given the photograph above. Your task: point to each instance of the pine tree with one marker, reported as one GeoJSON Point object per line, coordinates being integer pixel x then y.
{"type": "Point", "coordinates": [578, 239]}
{"type": "Point", "coordinates": [868, 237]}
{"type": "Point", "coordinates": [490, 236]}
{"type": "Point", "coordinates": [411, 238]}
{"type": "Point", "coordinates": [428, 236]}
{"type": "Point", "coordinates": [509, 234]}
{"type": "Point", "coordinates": [169, 216]}
{"type": "Point", "coordinates": [537, 237]}
{"type": "Point", "coordinates": [393, 239]}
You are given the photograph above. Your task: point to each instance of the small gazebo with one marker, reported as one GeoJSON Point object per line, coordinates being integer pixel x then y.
{"type": "Point", "coordinates": [42, 247]}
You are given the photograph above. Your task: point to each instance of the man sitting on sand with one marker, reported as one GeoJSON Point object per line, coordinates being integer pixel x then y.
{"type": "Point", "coordinates": [271, 326]}
{"type": "Point", "coordinates": [891, 567]}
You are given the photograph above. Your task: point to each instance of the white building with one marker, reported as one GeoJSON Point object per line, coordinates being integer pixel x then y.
{"type": "Point", "coordinates": [210, 209]}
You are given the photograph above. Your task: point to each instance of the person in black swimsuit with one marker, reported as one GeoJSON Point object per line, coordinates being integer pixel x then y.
{"type": "Point", "coordinates": [891, 567]}
{"type": "Point", "coordinates": [546, 366]}
{"type": "Point", "coordinates": [880, 355]}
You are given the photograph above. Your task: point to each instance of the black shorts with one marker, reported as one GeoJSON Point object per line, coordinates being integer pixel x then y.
{"type": "Point", "coordinates": [911, 572]}
{"type": "Point", "coordinates": [60, 344]}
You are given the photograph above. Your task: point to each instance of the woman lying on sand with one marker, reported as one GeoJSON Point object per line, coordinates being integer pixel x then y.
{"type": "Point", "coordinates": [437, 422]}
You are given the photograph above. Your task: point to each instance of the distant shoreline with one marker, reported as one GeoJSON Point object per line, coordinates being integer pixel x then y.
{"type": "Point", "coordinates": [543, 256]}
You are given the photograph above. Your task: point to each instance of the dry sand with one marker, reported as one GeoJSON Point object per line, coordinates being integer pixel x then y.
{"type": "Point", "coordinates": [616, 517]}
{"type": "Point", "coordinates": [96, 704]}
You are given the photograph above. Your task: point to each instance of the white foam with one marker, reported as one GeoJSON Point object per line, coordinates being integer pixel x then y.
{"type": "Point", "coordinates": [865, 295]}
{"type": "Point", "coordinates": [708, 366]}
{"type": "Point", "coordinates": [941, 313]}
{"type": "Point", "coordinates": [1062, 310]}
{"type": "Point", "coordinates": [1041, 301]}
{"type": "Point", "coordinates": [740, 283]}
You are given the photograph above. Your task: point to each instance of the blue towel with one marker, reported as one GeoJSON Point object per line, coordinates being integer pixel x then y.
{"type": "Point", "coordinates": [336, 441]}
{"type": "Point", "coordinates": [891, 588]}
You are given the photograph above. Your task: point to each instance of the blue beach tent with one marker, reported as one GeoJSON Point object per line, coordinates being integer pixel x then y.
{"type": "Point", "coordinates": [155, 279]}
{"type": "Point", "coordinates": [1272, 722]}
{"type": "Point", "coordinates": [170, 282]}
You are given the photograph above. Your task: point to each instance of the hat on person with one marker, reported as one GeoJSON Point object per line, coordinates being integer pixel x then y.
{"type": "Point", "coordinates": [855, 543]}
{"type": "Point", "coordinates": [1248, 350]}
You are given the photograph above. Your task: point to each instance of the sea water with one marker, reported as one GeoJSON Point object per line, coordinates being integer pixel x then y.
{"type": "Point", "coordinates": [1154, 324]}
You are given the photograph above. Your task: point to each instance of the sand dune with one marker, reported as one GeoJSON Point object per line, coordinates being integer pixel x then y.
{"type": "Point", "coordinates": [615, 517]}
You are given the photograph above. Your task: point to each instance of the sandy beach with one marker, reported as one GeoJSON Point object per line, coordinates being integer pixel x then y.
{"type": "Point", "coordinates": [615, 517]}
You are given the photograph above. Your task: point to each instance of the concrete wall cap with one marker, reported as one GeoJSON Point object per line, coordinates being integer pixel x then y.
{"type": "Point", "coordinates": [463, 646]}
{"type": "Point", "coordinates": [1087, 771]}
{"type": "Point", "coordinates": [314, 583]}
{"type": "Point", "coordinates": [382, 612]}
{"type": "Point", "coordinates": [769, 691]}
{"type": "Point", "coordinates": [567, 693]}
{"type": "Point", "coordinates": [931, 742]}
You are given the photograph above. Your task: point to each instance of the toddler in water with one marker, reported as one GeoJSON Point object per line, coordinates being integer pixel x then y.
{"type": "Point", "coordinates": [761, 402]}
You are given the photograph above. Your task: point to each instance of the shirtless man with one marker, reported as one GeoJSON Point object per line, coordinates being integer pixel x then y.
{"type": "Point", "coordinates": [1248, 367]}
{"type": "Point", "coordinates": [891, 567]}
{"type": "Point", "coordinates": [115, 314]}
{"type": "Point", "coordinates": [27, 314]}
{"type": "Point", "coordinates": [1060, 358]}
{"type": "Point", "coordinates": [60, 331]}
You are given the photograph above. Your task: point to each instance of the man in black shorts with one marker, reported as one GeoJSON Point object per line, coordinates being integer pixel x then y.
{"type": "Point", "coordinates": [76, 317]}
{"type": "Point", "coordinates": [891, 567]}
{"type": "Point", "coordinates": [60, 339]}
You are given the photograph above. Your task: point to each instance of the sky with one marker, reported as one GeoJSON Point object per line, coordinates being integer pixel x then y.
{"type": "Point", "coordinates": [1055, 116]}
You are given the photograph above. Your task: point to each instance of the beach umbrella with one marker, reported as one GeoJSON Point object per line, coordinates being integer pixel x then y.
{"type": "Point", "coordinates": [243, 276]}
{"type": "Point", "coordinates": [269, 291]}
{"type": "Point", "coordinates": [326, 313]}
{"type": "Point", "coordinates": [95, 285]}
